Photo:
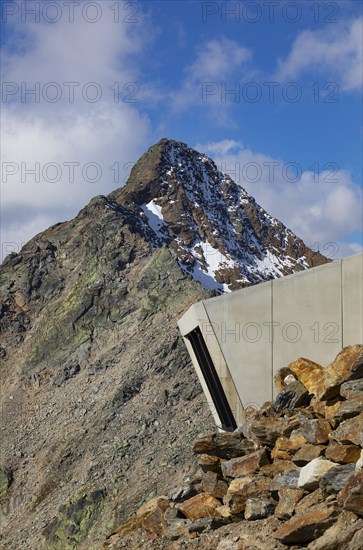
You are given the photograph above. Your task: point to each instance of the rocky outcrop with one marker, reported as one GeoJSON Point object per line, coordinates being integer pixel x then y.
{"type": "Point", "coordinates": [297, 487]}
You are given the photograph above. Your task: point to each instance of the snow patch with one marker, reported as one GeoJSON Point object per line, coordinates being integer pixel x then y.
{"type": "Point", "coordinates": [155, 217]}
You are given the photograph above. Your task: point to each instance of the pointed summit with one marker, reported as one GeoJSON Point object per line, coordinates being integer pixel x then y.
{"type": "Point", "coordinates": [221, 236]}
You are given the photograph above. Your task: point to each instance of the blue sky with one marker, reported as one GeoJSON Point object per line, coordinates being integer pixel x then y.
{"type": "Point", "coordinates": [291, 133]}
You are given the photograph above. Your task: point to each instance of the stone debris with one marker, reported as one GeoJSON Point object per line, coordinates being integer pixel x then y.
{"type": "Point", "coordinates": [297, 466]}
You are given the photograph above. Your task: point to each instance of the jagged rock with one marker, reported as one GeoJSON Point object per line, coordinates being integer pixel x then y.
{"type": "Point", "coordinates": [325, 382]}
{"type": "Point", "coordinates": [210, 463]}
{"type": "Point", "coordinates": [199, 506]}
{"type": "Point", "coordinates": [348, 365]}
{"type": "Point", "coordinates": [338, 452]}
{"type": "Point", "coordinates": [335, 478]}
{"type": "Point", "coordinates": [349, 431]}
{"type": "Point", "coordinates": [206, 524]}
{"type": "Point", "coordinates": [265, 430]}
{"type": "Point", "coordinates": [288, 498]}
{"type": "Point", "coordinates": [212, 484]}
{"type": "Point", "coordinates": [306, 527]}
{"type": "Point", "coordinates": [351, 496]}
{"type": "Point", "coordinates": [344, 409]}
{"type": "Point", "coordinates": [309, 373]}
{"type": "Point", "coordinates": [291, 396]}
{"type": "Point", "coordinates": [245, 465]}
{"type": "Point", "coordinates": [339, 534]}
{"type": "Point", "coordinates": [311, 474]}
{"type": "Point", "coordinates": [259, 508]}
{"type": "Point", "coordinates": [307, 453]}
{"type": "Point", "coordinates": [285, 447]}
{"type": "Point", "coordinates": [288, 479]}
{"type": "Point", "coordinates": [223, 445]}
{"type": "Point", "coordinates": [240, 489]}
{"type": "Point", "coordinates": [178, 528]}
{"type": "Point", "coordinates": [277, 467]}
{"type": "Point", "coordinates": [356, 541]}
{"type": "Point", "coordinates": [308, 501]}
{"type": "Point", "coordinates": [314, 430]}
{"type": "Point", "coordinates": [352, 389]}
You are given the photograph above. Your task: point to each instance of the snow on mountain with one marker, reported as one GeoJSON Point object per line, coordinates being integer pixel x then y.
{"type": "Point", "coordinates": [221, 236]}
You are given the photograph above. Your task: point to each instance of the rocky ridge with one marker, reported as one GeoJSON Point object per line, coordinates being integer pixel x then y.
{"type": "Point", "coordinates": [290, 476]}
{"type": "Point", "coordinates": [220, 235]}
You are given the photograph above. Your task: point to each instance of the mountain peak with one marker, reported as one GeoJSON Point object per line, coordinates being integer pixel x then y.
{"type": "Point", "coordinates": [220, 235]}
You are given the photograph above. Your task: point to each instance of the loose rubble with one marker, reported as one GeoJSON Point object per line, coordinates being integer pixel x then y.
{"type": "Point", "coordinates": [295, 470]}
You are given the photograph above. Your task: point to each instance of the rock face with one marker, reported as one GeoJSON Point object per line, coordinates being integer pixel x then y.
{"type": "Point", "coordinates": [93, 371]}
{"type": "Point", "coordinates": [220, 235]}
{"type": "Point", "coordinates": [286, 486]}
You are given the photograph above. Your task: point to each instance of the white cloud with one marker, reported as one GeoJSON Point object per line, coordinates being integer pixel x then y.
{"type": "Point", "coordinates": [334, 52]}
{"type": "Point", "coordinates": [215, 61]}
{"type": "Point", "coordinates": [322, 208]}
{"type": "Point", "coordinates": [103, 132]}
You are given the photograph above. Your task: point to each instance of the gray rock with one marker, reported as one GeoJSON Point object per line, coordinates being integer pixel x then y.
{"type": "Point", "coordinates": [293, 395]}
{"type": "Point", "coordinates": [352, 389]}
{"type": "Point", "coordinates": [288, 479]}
{"type": "Point", "coordinates": [178, 527]}
{"type": "Point", "coordinates": [335, 478]}
{"type": "Point", "coordinates": [259, 508]}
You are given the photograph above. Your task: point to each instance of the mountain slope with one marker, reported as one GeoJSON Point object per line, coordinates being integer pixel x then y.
{"type": "Point", "coordinates": [99, 401]}
{"type": "Point", "coordinates": [221, 236]}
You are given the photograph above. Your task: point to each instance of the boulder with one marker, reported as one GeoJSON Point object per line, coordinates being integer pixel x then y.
{"type": "Point", "coordinates": [241, 489]}
{"type": "Point", "coordinates": [259, 508]}
{"type": "Point", "coordinates": [178, 528]}
{"type": "Point", "coordinates": [311, 474]}
{"type": "Point", "coordinates": [351, 496]}
{"type": "Point", "coordinates": [212, 484]}
{"type": "Point", "coordinates": [285, 447]}
{"type": "Point", "coordinates": [306, 527]}
{"type": "Point", "coordinates": [315, 430]}
{"type": "Point", "coordinates": [344, 409]}
{"type": "Point", "coordinates": [352, 389]}
{"type": "Point", "coordinates": [223, 445]}
{"type": "Point", "coordinates": [265, 430]}
{"type": "Point", "coordinates": [199, 506]}
{"type": "Point", "coordinates": [244, 465]}
{"type": "Point", "coordinates": [291, 396]}
{"type": "Point", "coordinates": [335, 478]}
{"type": "Point", "coordinates": [210, 463]}
{"type": "Point", "coordinates": [349, 431]}
{"type": "Point", "coordinates": [345, 454]}
{"type": "Point", "coordinates": [339, 534]}
{"type": "Point", "coordinates": [307, 453]}
{"type": "Point", "coordinates": [308, 501]}
{"type": "Point", "coordinates": [288, 479]}
{"type": "Point", "coordinates": [288, 498]}
{"type": "Point", "coordinates": [310, 374]}
{"type": "Point", "coordinates": [348, 365]}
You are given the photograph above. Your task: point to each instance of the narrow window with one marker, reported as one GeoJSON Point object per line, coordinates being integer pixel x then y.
{"type": "Point", "coordinates": [211, 378]}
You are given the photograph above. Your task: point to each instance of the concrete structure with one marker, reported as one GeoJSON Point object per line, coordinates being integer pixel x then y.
{"type": "Point", "coordinates": [238, 341]}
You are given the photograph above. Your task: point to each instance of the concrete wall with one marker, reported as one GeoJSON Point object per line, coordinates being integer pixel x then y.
{"type": "Point", "coordinates": [251, 333]}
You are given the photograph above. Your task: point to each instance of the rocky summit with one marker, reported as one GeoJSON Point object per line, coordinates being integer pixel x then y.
{"type": "Point", "coordinates": [99, 402]}
{"type": "Point", "coordinates": [220, 235]}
